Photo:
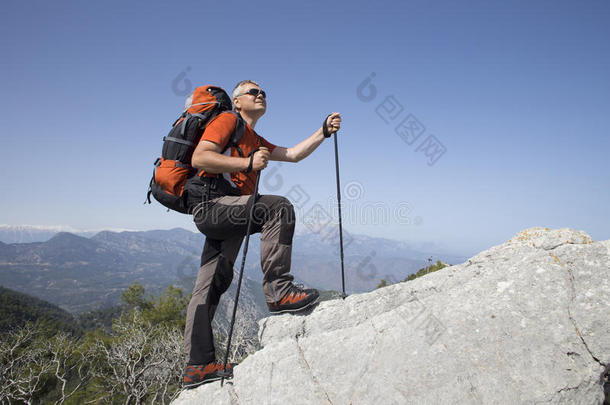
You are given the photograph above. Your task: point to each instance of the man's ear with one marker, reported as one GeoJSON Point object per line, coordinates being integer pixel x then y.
{"type": "Point", "coordinates": [236, 104]}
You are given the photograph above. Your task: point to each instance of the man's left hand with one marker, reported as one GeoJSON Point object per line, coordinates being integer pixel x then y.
{"type": "Point", "coordinates": [333, 122]}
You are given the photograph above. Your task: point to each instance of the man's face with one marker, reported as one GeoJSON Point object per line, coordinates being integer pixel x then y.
{"type": "Point", "coordinates": [250, 103]}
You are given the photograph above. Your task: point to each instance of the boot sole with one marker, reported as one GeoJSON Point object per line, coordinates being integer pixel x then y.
{"type": "Point", "coordinates": [217, 377]}
{"type": "Point", "coordinates": [283, 311]}
{"type": "Point", "coordinates": [209, 380]}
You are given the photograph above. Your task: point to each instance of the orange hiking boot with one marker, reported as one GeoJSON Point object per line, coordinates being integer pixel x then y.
{"type": "Point", "coordinates": [197, 375]}
{"type": "Point", "coordinates": [296, 299]}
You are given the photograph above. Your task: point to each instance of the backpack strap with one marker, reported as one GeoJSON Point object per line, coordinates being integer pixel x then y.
{"type": "Point", "coordinates": [188, 116]}
{"type": "Point", "coordinates": [152, 180]}
{"type": "Point", "coordinates": [177, 140]}
{"type": "Point", "coordinates": [238, 133]}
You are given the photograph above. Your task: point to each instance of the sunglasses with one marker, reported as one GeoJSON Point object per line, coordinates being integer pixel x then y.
{"type": "Point", "coordinates": [254, 92]}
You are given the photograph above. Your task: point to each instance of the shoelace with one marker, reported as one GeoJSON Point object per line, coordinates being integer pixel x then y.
{"type": "Point", "coordinates": [297, 289]}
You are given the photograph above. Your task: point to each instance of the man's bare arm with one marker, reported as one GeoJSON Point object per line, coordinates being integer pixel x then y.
{"type": "Point", "coordinates": [207, 157]}
{"type": "Point", "coordinates": [303, 149]}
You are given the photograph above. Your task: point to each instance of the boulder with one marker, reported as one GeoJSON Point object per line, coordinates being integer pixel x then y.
{"type": "Point", "coordinates": [526, 321]}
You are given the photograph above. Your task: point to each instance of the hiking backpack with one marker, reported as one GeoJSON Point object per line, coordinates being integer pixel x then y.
{"type": "Point", "coordinates": [173, 169]}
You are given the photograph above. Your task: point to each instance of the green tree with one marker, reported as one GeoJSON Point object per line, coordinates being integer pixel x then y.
{"type": "Point", "coordinates": [133, 297]}
{"type": "Point", "coordinates": [168, 309]}
{"type": "Point", "coordinates": [382, 283]}
{"type": "Point", "coordinates": [426, 270]}
{"type": "Point", "coordinates": [138, 360]}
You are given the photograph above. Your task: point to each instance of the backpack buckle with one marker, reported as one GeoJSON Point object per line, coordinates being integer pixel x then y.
{"type": "Point", "coordinates": [205, 195]}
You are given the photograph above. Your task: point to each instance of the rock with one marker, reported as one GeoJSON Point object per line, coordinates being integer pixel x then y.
{"type": "Point", "coordinates": [523, 322]}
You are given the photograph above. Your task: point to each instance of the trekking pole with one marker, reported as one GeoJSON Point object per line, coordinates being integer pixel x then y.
{"type": "Point", "coordinates": [223, 372]}
{"type": "Point", "coordinates": [343, 295]}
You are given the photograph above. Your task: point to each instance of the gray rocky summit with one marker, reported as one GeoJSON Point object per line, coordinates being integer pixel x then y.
{"type": "Point", "coordinates": [524, 322]}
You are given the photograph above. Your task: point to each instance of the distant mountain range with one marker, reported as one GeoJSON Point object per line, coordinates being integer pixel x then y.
{"type": "Point", "coordinates": [17, 308]}
{"type": "Point", "coordinates": [40, 233]}
{"type": "Point", "coordinates": [81, 273]}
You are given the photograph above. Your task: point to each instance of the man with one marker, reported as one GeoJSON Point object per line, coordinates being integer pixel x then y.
{"type": "Point", "coordinates": [222, 213]}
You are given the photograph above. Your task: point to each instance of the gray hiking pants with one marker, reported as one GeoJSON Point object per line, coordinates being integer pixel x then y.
{"type": "Point", "coordinates": [224, 221]}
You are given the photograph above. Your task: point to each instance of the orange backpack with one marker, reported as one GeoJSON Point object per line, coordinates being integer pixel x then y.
{"type": "Point", "coordinates": [173, 168]}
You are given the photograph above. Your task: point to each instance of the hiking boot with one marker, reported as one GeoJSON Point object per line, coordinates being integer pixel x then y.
{"type": "Point", "coordinates": [195, 376]}
{"type": "Point", "coordinates": [296, 299]}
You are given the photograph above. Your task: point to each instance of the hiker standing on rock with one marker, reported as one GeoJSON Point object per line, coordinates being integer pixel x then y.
{"type": "Point", "coordinates": [221, 211]}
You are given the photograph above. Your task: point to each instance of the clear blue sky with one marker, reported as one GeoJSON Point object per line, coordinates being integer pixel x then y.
{"type": "Point", "coordinates": [517, 92]}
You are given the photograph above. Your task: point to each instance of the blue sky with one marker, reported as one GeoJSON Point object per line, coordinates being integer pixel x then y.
{"type": "Point", "coordinates": [517, 93]}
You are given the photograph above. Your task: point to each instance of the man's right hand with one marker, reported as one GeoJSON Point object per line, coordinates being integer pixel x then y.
{"type": "Point", "coordinates": [261, 158]}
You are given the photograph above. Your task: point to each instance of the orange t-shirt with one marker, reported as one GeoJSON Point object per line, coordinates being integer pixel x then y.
{"type": "Point", "coordinates": [219, 131]}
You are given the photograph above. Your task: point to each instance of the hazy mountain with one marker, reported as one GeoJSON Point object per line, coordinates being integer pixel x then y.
{"type": "Point", "coordinates": [81, 274]}
{"type": "Point", "coordinates": [17, 308]}
{"type": "Point", "coordinates": [37, 233]}
{"type": "Point", "coordinates": [316, 260]}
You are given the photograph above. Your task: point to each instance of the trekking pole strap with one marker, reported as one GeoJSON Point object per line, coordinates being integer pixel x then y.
{"type": "Point", "coordinates": [325, 127]}
{"type": "Point", "coordinates": [249, 169]}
